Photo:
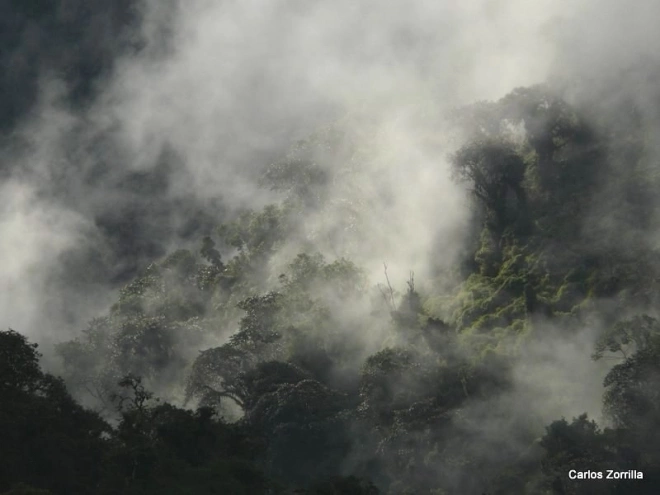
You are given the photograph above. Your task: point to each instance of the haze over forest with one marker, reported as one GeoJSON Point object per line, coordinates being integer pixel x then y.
{"type": "Point", "coordinates": [323, 248]}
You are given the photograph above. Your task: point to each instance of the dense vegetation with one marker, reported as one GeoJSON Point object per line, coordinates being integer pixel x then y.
{"type": "Point", "coordinates": [294, 374]}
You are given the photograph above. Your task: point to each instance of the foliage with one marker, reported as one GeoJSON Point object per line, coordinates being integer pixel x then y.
{"type": "Point", "coordinates": [48, 440]}
{"type": "Point", "coordinates": [333, 388]}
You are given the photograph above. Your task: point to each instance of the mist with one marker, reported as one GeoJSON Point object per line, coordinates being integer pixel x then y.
{"type": "Point", "coordinates": [227, 87]}
{"type": "Point", "coordinates": [169, 136]}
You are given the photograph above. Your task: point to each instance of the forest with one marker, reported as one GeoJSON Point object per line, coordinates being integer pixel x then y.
{"type": "Point", "coordinates": [285, 346]}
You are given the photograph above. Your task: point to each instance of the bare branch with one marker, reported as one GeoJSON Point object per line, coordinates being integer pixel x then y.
{"type": "Point", "coordinates": [393, 305]}
{"type": "Point", "coordinates": [387, 300]}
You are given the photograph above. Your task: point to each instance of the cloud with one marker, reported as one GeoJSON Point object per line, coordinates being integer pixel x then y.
{"type": "Point", "coordinates": [220, 89]}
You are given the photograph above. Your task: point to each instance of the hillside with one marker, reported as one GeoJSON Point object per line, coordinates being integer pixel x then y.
{"type": "Point", "coordinates": [396, 248]}
{"type": "Point", "coordinates": [323, 375]}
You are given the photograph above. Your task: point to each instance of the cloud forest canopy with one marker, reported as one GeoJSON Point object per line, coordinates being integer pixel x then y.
{"type": "Point", "coordinates": [306, 395]}
{"type": "Point", "coordinates": [243, 334]}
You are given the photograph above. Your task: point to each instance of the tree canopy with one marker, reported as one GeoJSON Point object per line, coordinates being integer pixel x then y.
{"type": "Point", "coordinates": [263, 360]}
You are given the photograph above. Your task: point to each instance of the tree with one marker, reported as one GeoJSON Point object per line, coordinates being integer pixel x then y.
{"type": "Point", "coordinates": [218, 373]}
{"type": "Point", "coordinates": [48, 440]}
{"type": "Point", "coordinates": [304, 429]}
{"type": "Point", "coordinates": [341, 486]}
{"type": "Point", "coordinates": [495, 171]}
{"type": "Point", "coordinates": [160, 449]}
{"type": "Point", "coordinates": [632, 398]}
{"type": "Point", "coordinates": [579, 445]}
{"type": "Point", "coordinates": [628, 336]}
